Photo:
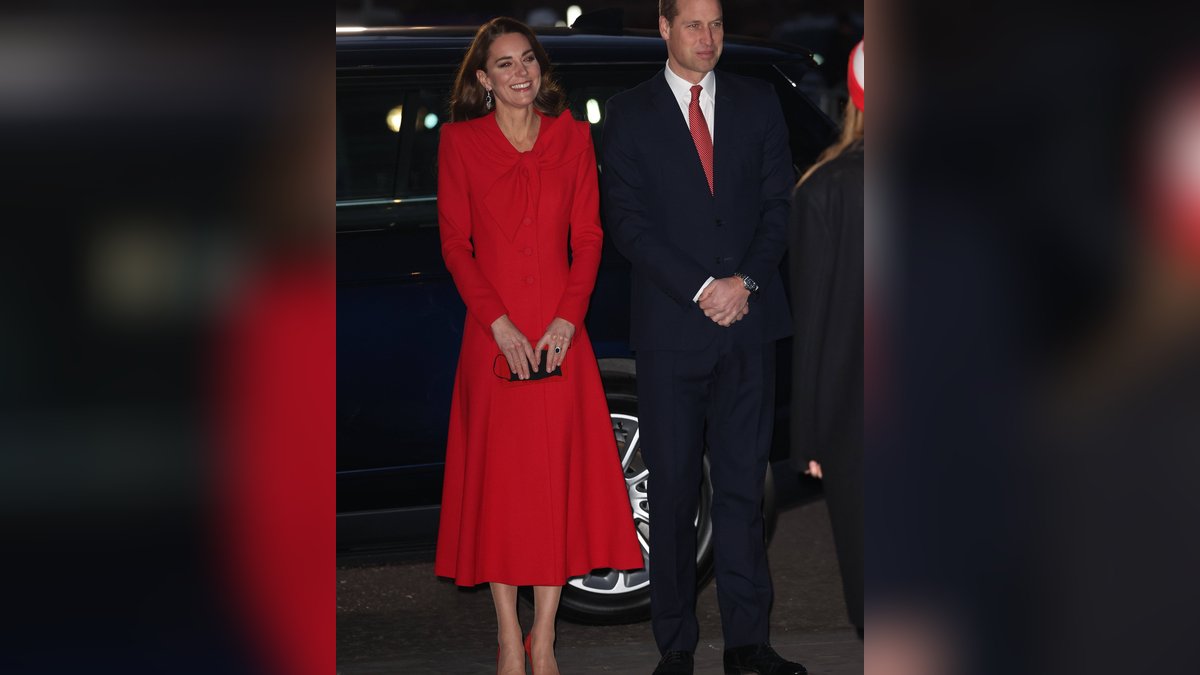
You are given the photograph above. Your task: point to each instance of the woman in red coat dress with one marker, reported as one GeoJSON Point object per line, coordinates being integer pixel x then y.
{"type": "Point", "coordinates": [534, 492]}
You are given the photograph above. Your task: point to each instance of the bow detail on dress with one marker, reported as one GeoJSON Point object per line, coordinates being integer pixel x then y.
{"type": "Point", "coordinates": [513, 198]}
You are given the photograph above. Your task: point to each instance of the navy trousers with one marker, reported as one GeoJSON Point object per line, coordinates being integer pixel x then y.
{"type": "Point", "coordinates": [723, 395]}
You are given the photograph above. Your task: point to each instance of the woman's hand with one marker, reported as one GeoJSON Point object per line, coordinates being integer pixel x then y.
{"type": "Point", "coordinates": [515, 347]}
{"type": "Point", "coordinates": [558, 339]}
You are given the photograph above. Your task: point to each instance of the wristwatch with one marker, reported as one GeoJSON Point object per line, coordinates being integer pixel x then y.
{"type": "Point", "coordinates": [750, 284]}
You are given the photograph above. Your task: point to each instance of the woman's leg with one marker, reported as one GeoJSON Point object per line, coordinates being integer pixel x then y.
{"type": "Point", "coordinates": [545, 608]}
{"type": "Point", "coordinates": [508, 633]}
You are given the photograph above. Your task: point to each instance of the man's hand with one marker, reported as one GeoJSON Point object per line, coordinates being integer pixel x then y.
{"type": "Point", "coordinates": [725, 301]}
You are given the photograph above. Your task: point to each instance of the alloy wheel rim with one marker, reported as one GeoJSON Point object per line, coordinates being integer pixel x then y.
{"type": "Point", "coordinates": [615, 582]}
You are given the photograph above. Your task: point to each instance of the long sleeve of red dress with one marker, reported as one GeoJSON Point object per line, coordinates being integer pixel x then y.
{"type": "Point", "coordinates": [455, 224]}
{"type": "Point", "coordinates": [587, 241]}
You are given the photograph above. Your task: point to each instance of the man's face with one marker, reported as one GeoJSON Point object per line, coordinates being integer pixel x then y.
{"type": "Point", "coordinates": [694, 38]}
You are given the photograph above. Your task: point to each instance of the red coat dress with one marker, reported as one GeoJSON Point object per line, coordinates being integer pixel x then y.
{"type": "Point", "coordinates": [534, 492]}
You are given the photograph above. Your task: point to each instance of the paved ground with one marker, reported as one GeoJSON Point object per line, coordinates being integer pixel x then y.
{"type": "Point", "coordinates": [395, 617]}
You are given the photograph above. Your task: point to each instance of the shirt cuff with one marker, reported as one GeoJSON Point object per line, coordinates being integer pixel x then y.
{"type": "Point", "coordinates": [697, 295]}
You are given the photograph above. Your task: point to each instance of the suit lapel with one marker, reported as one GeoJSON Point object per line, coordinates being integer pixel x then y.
{"type": "Point", "coordinates": [724, 147]}
{"type": "Point", "coordinates": [668, 110]}
{"type": "Point", "coordinates": [675, 134]}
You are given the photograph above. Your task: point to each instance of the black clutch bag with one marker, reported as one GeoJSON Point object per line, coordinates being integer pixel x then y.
{"type": "Point", "coordinates": [540, 374]}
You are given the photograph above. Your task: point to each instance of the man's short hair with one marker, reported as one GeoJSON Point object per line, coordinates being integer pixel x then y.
{"type": "Point", "coordinates": [669, 9]}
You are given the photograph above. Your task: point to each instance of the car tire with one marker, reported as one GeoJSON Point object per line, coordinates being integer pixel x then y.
{"type": "Point", "coordinates": [607, 597]}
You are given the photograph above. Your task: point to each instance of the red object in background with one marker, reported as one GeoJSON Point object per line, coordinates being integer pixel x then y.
{"type": "Point", "coordinates": [276, 467]}
{"type": "Point", "coordinates": [1174, 171]}
{"type": "Point", "coordinates": [856, 75]}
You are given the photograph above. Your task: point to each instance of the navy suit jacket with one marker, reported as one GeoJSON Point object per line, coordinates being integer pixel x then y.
{"type": "Point", "coordinates": [661, 216]}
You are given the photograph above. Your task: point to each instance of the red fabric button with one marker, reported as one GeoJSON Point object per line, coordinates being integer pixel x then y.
{"type": "Point", "coordinates": [527, 250]}
{"type": "Point", "coordinates": [529, 280]}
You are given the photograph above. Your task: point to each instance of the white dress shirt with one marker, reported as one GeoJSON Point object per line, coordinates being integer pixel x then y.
{"type": "Point", "coordinates": [681, 89]}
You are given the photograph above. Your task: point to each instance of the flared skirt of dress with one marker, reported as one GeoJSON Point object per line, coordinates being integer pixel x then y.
{"type": "Point", "coordinates": [533, 492]}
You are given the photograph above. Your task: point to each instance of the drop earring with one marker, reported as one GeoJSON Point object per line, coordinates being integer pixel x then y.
{"type": "Point", "coordinates": [487, 99]}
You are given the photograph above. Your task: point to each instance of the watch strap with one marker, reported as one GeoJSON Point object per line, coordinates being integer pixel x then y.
{"type": "Point", "coordinates": [750, 284]}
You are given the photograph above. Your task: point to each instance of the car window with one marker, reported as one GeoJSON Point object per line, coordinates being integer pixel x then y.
{"type": "Point", "coordinates": [368, 116]}
{"type": "Point", "coordinates": [420, 110]}
{"type": "Point", "coordinates": [589, 88]}
{"type": "Point", "coordinates": [417, 174]}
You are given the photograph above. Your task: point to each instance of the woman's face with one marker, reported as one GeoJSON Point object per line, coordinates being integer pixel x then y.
{"type": "Point", "coordinates": [512, 71]}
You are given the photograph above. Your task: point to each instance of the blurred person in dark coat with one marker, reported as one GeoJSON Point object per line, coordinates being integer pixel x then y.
{"type": "Point", "coordinates": [827, 302]}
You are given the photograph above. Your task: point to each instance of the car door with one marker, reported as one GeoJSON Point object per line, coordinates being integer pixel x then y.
{"type": "Point", "coordinates": [399, 317]}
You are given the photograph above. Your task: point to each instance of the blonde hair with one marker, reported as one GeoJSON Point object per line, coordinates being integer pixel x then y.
{"type": "Point", "coordinates": [852, 132]}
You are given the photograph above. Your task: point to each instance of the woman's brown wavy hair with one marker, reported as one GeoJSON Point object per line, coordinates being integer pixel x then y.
{"type": "Point", "coordinates": [466, 100]}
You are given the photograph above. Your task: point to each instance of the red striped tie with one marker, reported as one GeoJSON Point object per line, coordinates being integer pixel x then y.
{"type": "Point", "coordinates": [700, 136]}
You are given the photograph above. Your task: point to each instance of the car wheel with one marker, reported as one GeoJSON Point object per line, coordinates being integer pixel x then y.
{"type": "Point", "coordinates": [607, 596]}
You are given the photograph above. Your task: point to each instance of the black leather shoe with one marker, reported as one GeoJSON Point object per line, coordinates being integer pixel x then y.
{"type": "Point", "coordinates": [759, 659]}
{"type": "Point", "coordinates": [675, 663]}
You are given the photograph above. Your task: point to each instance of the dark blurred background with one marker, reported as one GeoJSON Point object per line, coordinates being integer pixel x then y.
{"type": "Point", "coordinates": [828, 28]}
{"type": "Point", "coordinates": [1034, 288]}
{"type": "Point", "coordinates": [166, 359]}
{"type": "Point", "coordinates": [813, 20]}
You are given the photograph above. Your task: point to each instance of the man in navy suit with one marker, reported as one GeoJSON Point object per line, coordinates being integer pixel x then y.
{"type": "Point", "coordinates": [697, 180]}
